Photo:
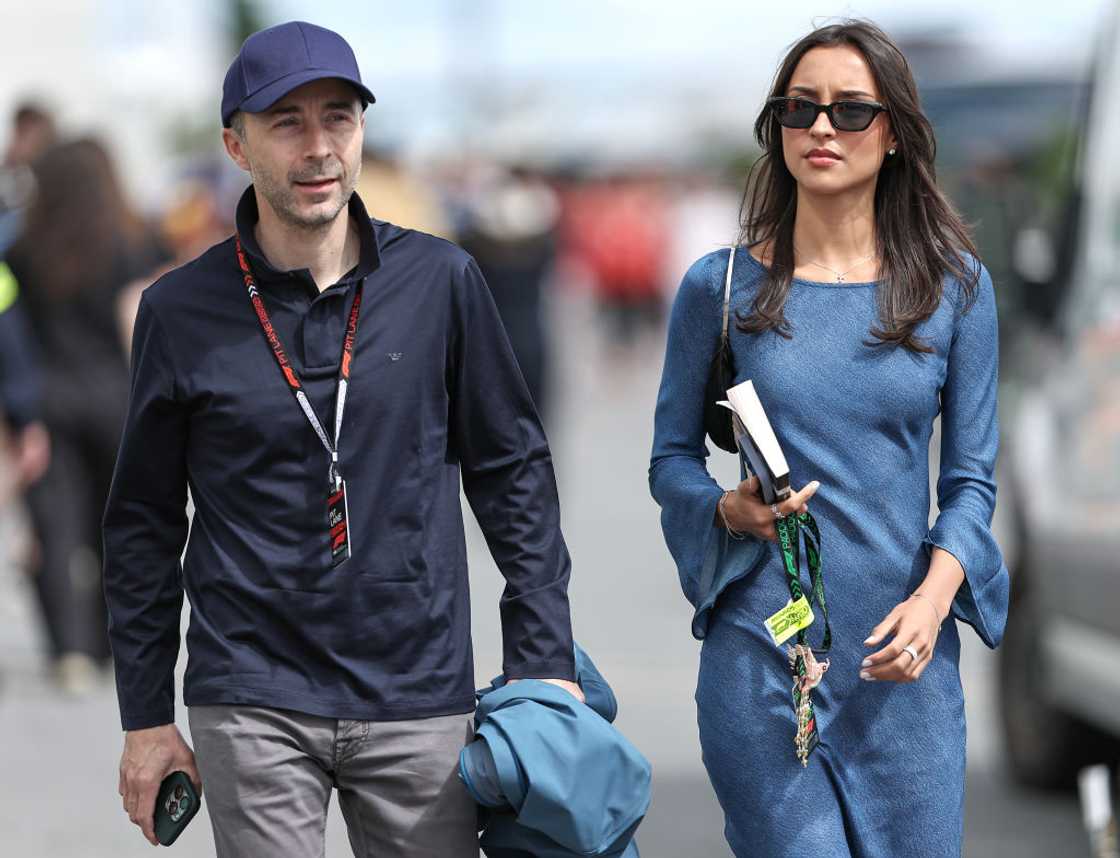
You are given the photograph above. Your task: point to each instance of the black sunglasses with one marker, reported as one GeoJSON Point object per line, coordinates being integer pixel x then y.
{"type": "Point", "coordinates": [844, 115]}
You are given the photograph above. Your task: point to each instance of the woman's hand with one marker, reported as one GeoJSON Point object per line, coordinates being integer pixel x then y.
{"type": "Point", "coordinates": [914, 624]}
{"type": "Point", "coordinates": [745, 510]}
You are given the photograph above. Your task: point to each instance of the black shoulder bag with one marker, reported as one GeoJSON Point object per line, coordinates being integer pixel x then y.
{"type": "Point", "coordinates": [721, 376]}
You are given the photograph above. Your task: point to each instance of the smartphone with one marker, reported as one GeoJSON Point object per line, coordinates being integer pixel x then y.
{"type": "Point", "coordinates": [176, 805]}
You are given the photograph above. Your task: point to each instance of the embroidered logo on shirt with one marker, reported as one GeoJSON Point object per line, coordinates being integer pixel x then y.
{"type": "Point", "coordinates": [395, 356]}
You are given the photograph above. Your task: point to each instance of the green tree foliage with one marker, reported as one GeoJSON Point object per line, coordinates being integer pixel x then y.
{"type": "Point", "coordinates": [245, 18]}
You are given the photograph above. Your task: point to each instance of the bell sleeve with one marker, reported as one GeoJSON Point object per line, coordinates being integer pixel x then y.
{"type": "Point", "coordinates": [707, 559]}
{"type": "Point", "coordinates": [966, 488]}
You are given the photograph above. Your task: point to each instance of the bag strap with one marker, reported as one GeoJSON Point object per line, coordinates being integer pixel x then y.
{"type": "Point", "coordinates": [727, 293]}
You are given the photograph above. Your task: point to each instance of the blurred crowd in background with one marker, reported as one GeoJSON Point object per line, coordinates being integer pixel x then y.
{"type": "Point", "coordinates": [78, 253]}
{"type": "Point", "coordinates": [76, 249]}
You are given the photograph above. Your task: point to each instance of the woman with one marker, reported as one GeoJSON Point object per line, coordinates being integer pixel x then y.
{"type": "Point", "coordinates": [859, 312]}
{"type": "Point", "coordinates": [80, 249]}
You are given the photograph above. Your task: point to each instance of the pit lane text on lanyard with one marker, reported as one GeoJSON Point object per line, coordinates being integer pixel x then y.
{"type": "Point", "coordinates": [337, 511]}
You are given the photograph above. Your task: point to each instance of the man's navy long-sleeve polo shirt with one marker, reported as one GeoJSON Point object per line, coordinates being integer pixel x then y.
{"type": "Point", "coordinates": [434, 393]}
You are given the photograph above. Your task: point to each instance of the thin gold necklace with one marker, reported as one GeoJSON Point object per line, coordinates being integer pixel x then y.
{"type": "Point", "coordinates": [839, 274]}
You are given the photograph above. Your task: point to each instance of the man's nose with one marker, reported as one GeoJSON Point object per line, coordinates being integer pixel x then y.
{"type": "Point", "coordinates": [316, 141]}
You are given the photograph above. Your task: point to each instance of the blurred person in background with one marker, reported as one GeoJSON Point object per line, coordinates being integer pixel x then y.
{"type": "Point", "coordinates": [618, 230]}
{"type": "Point", "coordinates": [193, 221]}
{"type": "Point", "coordinates": [705, 205]}
{"type": "Point", "coordinates": [511, 233]}
{"type": "Point", "coordinates": [329, 641]}
{"type": "Point", "coordinates": [24, 442]}
{"type": "Point", "coordinates": [28, 444]}
{"type": "Point", "coordinates": [32, 133]}
{"type": "Point", "coordinates": [860, 312]}
{"type": "Point", "coordinates": [397, 196]}
{"type": "Point", "coordinates": [80, 248]}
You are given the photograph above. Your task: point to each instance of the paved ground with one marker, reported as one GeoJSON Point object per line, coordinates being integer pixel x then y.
{"type": "Point", "coordinates": [58, 757]}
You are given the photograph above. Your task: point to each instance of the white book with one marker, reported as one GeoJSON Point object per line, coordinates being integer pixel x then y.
{"type": "Point", "coordinates": [757, 442]}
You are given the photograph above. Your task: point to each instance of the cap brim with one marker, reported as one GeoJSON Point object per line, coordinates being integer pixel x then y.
{"type": "Point", "coordinates": [267, 96]}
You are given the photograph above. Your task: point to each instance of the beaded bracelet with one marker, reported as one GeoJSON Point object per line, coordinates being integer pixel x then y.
{"type": "Point", "coordinates": [735, 534]}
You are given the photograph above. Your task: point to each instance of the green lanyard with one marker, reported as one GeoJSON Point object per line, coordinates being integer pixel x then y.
{"type": "Point", "coordinates": [789, 528]}
{"type": "Point", "coordinates": [807, 672]}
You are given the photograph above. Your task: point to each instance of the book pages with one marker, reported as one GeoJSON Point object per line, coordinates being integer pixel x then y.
{"type": "Point", "coordinates": [757, 441]}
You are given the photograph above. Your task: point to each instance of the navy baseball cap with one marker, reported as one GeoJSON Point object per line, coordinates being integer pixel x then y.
{"type": "Point", "coordinates": [275, 61]}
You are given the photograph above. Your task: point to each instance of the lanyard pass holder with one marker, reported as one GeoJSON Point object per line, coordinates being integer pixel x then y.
{"type": "Point", "coordinates": [338, 514]}
{"type": "Point", "coordinates": [334, 475]}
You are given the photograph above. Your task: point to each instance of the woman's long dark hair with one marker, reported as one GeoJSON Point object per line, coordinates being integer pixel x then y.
{"type": "Point", "coordinates": [918, 235]}
{"type": "Point", "coordinates": [79, 222]}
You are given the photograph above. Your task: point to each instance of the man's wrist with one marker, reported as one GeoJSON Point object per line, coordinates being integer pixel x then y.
{"type": "Point", "coordinates": [156, 728]}
{"type": "Point", "coordinates": [133, 722]}
{"type": "Point", "coordinates": [542, 670]}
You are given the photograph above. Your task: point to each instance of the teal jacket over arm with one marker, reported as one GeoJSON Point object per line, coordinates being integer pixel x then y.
{"type": "Point", "coordinates": [561, 780]}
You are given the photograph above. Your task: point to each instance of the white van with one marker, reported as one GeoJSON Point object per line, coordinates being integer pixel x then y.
{"type": "Point", "coordinates": [1060, 482]}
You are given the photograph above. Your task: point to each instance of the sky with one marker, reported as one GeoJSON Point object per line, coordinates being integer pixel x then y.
{"type": "Point", "coordinates": [597, 67]}
{"type": "Point", "coordinates": [450, 75]}
{"type": "Point", "coordinates": [546, 34]}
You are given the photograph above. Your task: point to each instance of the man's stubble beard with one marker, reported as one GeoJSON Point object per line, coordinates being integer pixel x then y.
{"type": "Point", "coordinates": [282, 199]}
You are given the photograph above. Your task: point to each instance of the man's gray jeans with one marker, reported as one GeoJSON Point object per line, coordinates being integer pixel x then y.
{"type": "Point", "coordinates": [268, 774]}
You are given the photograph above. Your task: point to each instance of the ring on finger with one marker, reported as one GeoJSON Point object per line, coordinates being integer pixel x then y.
{"type": "Point", "coordinates": [910, 651]}
{"type": "Point", "coordinates": [777, 512]}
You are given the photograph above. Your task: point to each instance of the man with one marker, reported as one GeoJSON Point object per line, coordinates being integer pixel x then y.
{"type": "Point", "coordinates": [28, 443]}
{"type": "Point", "coordinates": [32, 134]}
{"type": "Point", "coordinates": [321, 381]}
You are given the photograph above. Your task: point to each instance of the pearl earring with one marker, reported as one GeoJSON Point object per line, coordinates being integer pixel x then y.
{"type": "Point", "coordinates": [890, 151]}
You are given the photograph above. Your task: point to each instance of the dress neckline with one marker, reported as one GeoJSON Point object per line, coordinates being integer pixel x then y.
{"type": "Point", "coordinates": [820, 284]}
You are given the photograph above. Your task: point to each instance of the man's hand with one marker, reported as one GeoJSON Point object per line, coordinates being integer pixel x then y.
{"type": "Point", "coordinates": [150, 756]}
{"type": "Point", "coordinates": [566, 684]}
{"type": "Point", "coordinates": [31, 453]}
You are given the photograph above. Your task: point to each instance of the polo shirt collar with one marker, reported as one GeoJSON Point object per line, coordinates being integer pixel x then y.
{"type": "Point", "coordinates": [369, 257]}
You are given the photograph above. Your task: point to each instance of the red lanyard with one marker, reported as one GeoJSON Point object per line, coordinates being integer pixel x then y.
{"type": "Point", "coordinates": [289, 372]}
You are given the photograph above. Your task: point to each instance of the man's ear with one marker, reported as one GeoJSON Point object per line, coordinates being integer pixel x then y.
{"type": "Point", "coordinates": [235, 148]}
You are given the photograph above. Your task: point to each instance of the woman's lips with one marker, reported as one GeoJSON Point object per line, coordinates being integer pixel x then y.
{"type": "Point", "coordinates": [820, 158]}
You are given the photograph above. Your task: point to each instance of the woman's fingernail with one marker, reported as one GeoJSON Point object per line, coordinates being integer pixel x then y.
{"type": "Point", "coordinates": [867, 677]}
{"type": "Point", "coordinates": [865, 663]}
{"type": "Point", "coordinates": [871, 640]}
